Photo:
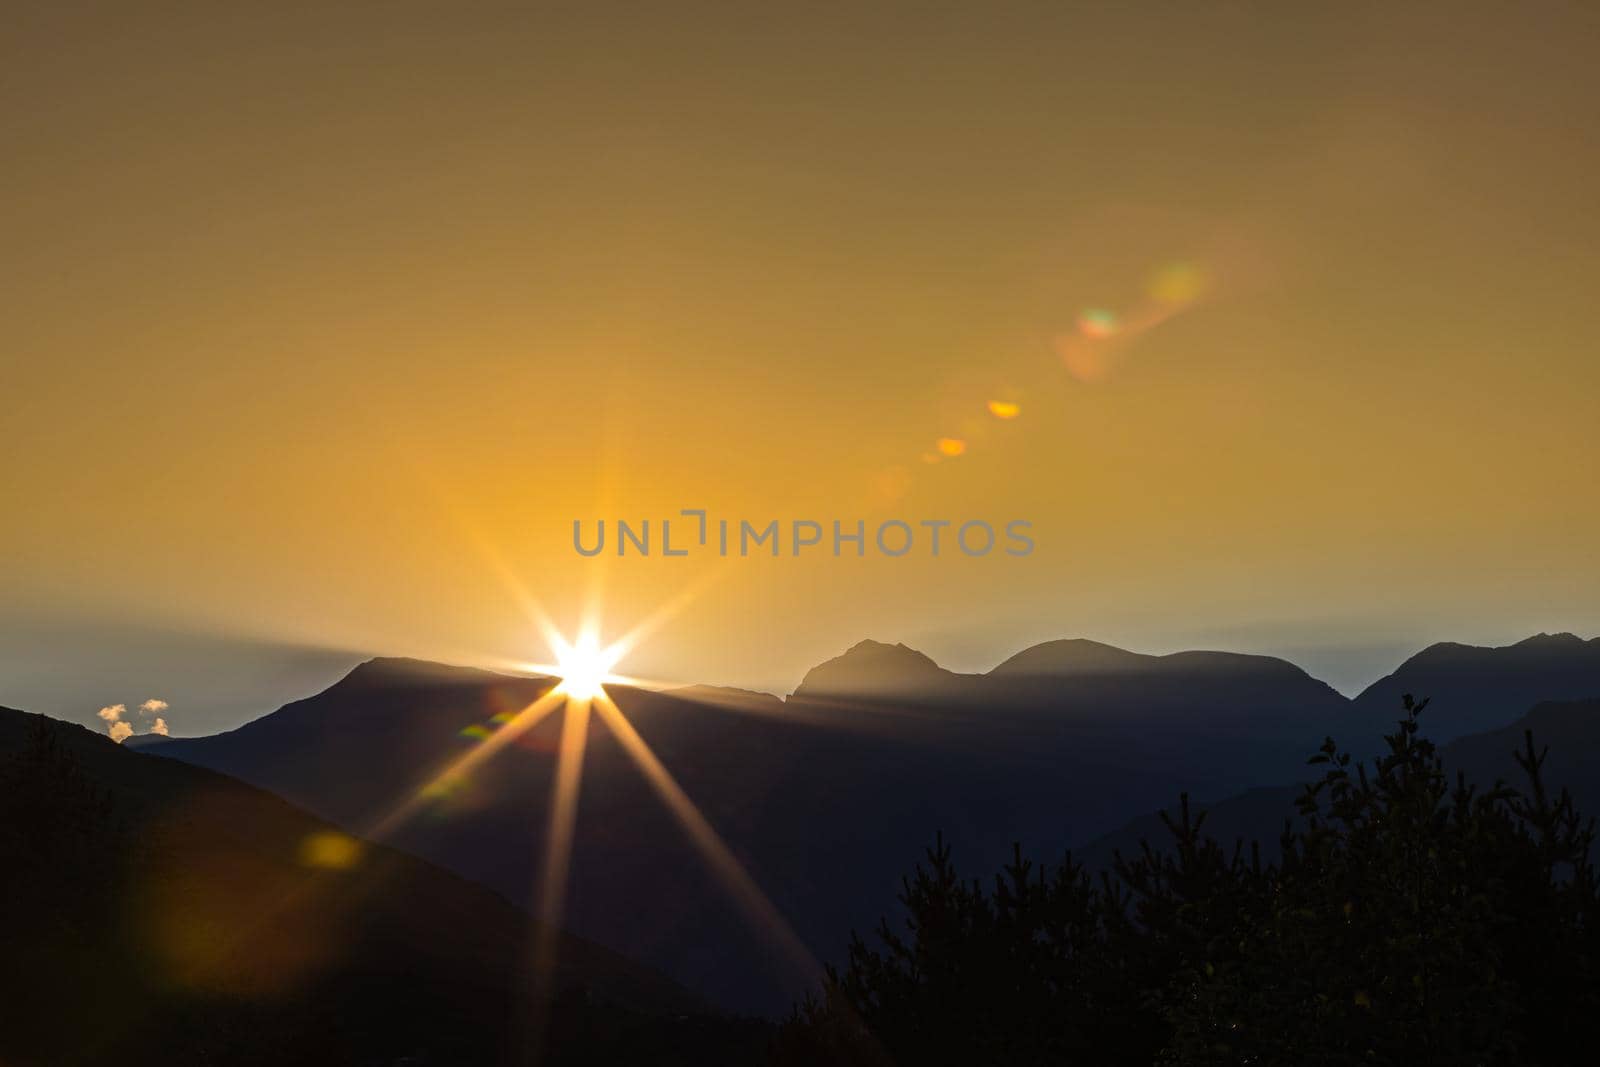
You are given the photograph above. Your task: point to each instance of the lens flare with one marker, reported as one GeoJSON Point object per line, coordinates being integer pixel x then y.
{"type": "Point", "coordinates": [1004, 409]}
{"type": "Point", "coordinates": [952, 446]}
{"type": "Point", "coordinates": [584, 666]}
{"type": "Point", "coordinates": [1098, 323]}
{"type": "Point", "coordinates": [1177, 283]}
{"type": "Point", "coordinates": [330, 850]}
{"type": "Point", "coordinates": [451, 779]}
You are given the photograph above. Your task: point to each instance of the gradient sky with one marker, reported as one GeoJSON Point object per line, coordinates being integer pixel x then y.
{"type": "Point", "coordinates": [323, 320]}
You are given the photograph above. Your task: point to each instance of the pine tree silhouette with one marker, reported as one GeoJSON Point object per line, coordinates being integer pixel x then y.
{"type": "Point", "coordinates": [1409, 920]}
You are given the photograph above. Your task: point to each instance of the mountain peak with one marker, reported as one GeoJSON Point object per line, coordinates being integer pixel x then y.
{"type": "Point", "coordinates": [1556, 640]}
{"type": "Point", "coordinates": [1069, 656]}
{"type": "Point", "coordinates": [872, 667]}
{"type": "Point", "coordinates": [868, 646]}
{"type": "Point", "coordinates": [1538, 644]}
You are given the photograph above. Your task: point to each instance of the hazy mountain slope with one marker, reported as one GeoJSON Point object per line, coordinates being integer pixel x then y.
{"type": "Point", "coordinates": [1212, 721]}
{"type": "Point", "coordinates": [1184, 690]}
{"type": "Point", "coordinates": [1569, 730]}
{"type": "Point", "coordinates": [353, 751]}
{"type": "Point", "coordinates": [1475, 689]}
{"type": "Point", "coordinates": [161, 913]}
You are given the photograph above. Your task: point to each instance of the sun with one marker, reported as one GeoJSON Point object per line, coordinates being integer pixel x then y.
{"type": "Point", "coordinates": [584, 666]}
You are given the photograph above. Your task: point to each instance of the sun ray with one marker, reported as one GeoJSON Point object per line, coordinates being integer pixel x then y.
{"type": "Point", "coordinates": [670, 610]}
{"type": "Point", "coordinates": [558, 840]}
{"type": "Point", "coordinates": [458, 770]}
{"type": "Point", "coordinates": [750, 898]}
{"type": "Point", "coordinates": [472, 531]}
{"type": "Point", "coordinates": [512, 582]}
{"type": "Point", "coordinates": [634, 681]}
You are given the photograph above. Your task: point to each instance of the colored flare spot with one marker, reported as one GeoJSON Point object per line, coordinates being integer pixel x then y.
{"type": "Point", "coordinates": [952, 446]}
{"type": "Point", "coordinates": [1004, 409]}
{"type": "Point", "coordinates": [330, 850]}
{"type": "Point", "coordinates": [475, 732]}
{"type": "Point", "coordinates": [1097, 323]}
{"type": "Point", "coordinates": [1084, 360]}
{"type": "Point", "coordinates": [1177, 283]}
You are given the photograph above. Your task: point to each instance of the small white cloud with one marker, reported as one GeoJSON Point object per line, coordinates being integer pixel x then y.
{"type": "Point", "coordinates": [120, 732]}
{"type": "Point", "coordinates": [113, 712]}
{"type": "Point", "coordinates": [159, 727]}
{"type": "Point", "coordinates": [153, 707]}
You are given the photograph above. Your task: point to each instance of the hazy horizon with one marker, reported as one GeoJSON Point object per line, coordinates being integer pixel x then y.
{"type": "Point", "coordinates": [324, 326]}
{"type": "Point", "coordinates": [70, 668]}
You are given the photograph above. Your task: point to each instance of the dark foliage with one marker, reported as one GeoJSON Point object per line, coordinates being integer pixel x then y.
{"type": "Point", "coordinates": [1412, 919]}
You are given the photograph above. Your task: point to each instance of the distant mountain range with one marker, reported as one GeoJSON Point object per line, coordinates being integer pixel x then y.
{"type": "Point", "coordinates": [1473, 688]}
{"type": "Point", "coordinates": [160, 913]}
{"type": "Point", "coordinates": [828, 797]}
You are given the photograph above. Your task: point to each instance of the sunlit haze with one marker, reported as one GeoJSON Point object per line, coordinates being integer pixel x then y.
{"type": "Point", "coordinates": [324, 324]}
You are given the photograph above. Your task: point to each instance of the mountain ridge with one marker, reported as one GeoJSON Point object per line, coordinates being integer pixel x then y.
{"type": "Point", "coordinates": [1045, 659]}
{"type": "Point", "coordinates": [1481, 687]}
{"type": "Point", "coordinates": [883, 749]}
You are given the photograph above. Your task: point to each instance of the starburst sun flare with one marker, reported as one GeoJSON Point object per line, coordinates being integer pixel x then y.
{"type": "Point", "coordinates": [584, 666]}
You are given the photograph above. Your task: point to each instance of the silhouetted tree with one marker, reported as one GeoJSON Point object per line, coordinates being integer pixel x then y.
{"type": "Point", "coordinates": [1409, 920]}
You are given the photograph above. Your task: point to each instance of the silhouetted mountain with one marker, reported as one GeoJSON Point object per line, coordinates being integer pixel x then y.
{"type": "Point", "coordinates": [1059, 745]}
{"type": "Point", "coordinates": [743, 699]}
{"type": "Point", "coordinates": [1570, 729]}
{"type": "Point", "coordinates": [160, 913]}
{"type": "Point", "coordinates": [878, 745]}
{"type": "Point", "coordinates": [1071, 656]}
{"type": "Point", "coordinates": [143, 741]}
{"type": "Point", "coordinates": [1185, 690]}
{"type": "Point", "coordinates": [872, 669]}
{"type": "Point", "coordinates": [1475, 689]}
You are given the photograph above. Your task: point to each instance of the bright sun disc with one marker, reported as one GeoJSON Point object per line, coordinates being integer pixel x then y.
{"type": "Point", "coordinates": [585, 668]}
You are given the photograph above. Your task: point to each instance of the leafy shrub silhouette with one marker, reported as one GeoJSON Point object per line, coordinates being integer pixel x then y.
{"type": "Point", "coordinates": [1409, 920]}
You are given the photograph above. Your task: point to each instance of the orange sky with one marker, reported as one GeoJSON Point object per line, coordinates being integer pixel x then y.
{"type": "Point", "coordinates": [304, 307]}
